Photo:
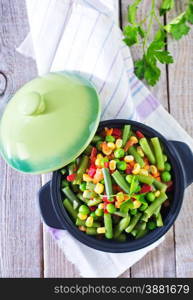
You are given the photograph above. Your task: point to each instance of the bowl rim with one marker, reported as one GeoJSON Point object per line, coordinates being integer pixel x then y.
{"type": "Point", "coordinates": [128, 246]}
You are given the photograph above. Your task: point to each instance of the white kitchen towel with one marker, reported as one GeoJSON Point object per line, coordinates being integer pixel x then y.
{"type": "Point", "coordinates": [83, 35]}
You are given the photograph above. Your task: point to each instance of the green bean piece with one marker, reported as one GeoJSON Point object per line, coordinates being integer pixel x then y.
{"type": "Point", "coordinates": [82, 169]}
{"type": "Point", "coordinates": [91, 231]}
{"type": "Point", "coordinates": [80, 222]}
{"type": "Point", "coordinates": [108, 226]}
{"type": "Point", "coordinates": [122, 225]}
{"type": "Point", "coordinates": [98, 145]}
{"type": "Point", "coordinates": [71, 196]}
{"type": "Point", "coordinates": [134, 232]}
{"type": "Point", "coordinates": [94, 202]}
{"type": "Point", "coordinates": [120, 180]}
{"type": "Point", "coordinates": [141, 233]}
{"type": "Point", "coordinates": [145, 217]}
{"type": "Point", "coordinates": [160, 185]}
{"type": "Point", "coordinates": [120, 214]}
{"type": "Point", "coordinates": [133, 222]}
{"type": "Point", "coordinates": [63, 171]}
{"type": "Point", "coordinates": [157, 211]}
{"type": "Point", "coordinates": [88, 150]}
{"type": "Point", "coordinates": [80, 196]}
{"type": "Point", "coordinates": [108, 183]}
{"type": "Point", "coordinates": [126, 134]}
{"type": "Point", "coordinates": [96, 224]}
{"type": "Point", "coordinates": [158, 153]}
{"type": "Point", "coordinates": [147, 150]}
{"type": "Point", "coordinates": [159, 221]}
{"type": "Point", "coordinates": [157, 202]}
{"type": "Point", "coordinates": [137, 157]}
{"type": "Point", "coordinates": [121, 238]}
{"type": "Point", "coordinates": [64, 183]}
{"type": "Point", "coordinates": [68, 206]}
{"type": "Point", "coordinates": [74, 187]}
{"type": "Point", "coordinates": [71, 168]}
{"type": "Point", "coordinates": [141, 225]}
{"type": "Point", "coordinates": [96, 139]}
{"type": "Point", "coordinates": [145, 179]}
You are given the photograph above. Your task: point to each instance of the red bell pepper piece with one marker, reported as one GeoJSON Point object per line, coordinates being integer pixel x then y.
{"type": "Point", "coordinates": [71, 177]}
{"type": "Point", "coordinates": [139, 134]}
{"type": "Point", "coordinates": [117, 132]}
{"type": "Point", "coordinates": [146, 188]}
{"type": "Point", "coordinates": [128, 170]}
{"type": "Point", "coordinates": [93, 155]}
{"type": "Point", "coordinates": [106, 164]}
{"type": "Point", "coordinates": [92, 171]}
{"type": "Point", "coordinates": [92, 208]}
{"type": "Point", "coordinates": [170, 186]}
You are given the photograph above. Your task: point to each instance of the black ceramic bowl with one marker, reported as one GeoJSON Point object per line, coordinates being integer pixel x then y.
{"type": "Point", "coordinates": [181, 159]}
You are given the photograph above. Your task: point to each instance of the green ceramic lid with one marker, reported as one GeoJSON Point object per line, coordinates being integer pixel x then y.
{"type": "Point", "coordinates": [49, 122]}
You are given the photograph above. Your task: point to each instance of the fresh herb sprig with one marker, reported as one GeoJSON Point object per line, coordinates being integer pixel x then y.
{"type": "Point", "coordinates": [155, 49]}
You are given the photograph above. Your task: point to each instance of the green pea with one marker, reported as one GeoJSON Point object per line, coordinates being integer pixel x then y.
{"type": "Point", "coordinates": [150, 197]}
{"type": "Point", "coordinates": [165, 158]}
{"type": "Point", "coordinates": [119, 153]}
{"type": "Point", "coordinates": [121, 165]}
{"type": "Point", "coordinates": [99, 212]}
{"type": "Point", "coordinates": [133, 211]}
{"type": "Point", "coordinates": [83, 209]}
{"type": "Point", "coordinates": [166, 176]}
{"type": "Point", "coordinates": [102, 181]}
{"type": "Point", "coordinates": [111, 208]}
{"type": "Point", "coordinates": [92, 214]}
{"type": "Point", "coordinates": [167, 167]}
{"type": "Point", "coordinates": [82, 186]}
{"type": "Point", "coordinates": [151, 225]}
{"type": "Point", "coordinates": [143, 207]}
{"type": "Point", "coordinates": [109, 139]}
{"type": "Point", "coordinates": [129, 178]}
{"type": "Point", "coordinates": [103, 161]}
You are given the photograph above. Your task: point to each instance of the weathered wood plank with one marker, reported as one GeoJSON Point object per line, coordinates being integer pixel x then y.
{"type": "Point", "coordinates": [20, 233]}
{"type": "Point", "coordinates": [181, 107]}
{"type": "Point", "coordinates": [161, 261]}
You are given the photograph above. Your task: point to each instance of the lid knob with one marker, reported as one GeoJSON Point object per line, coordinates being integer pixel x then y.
{"type": "Point", "coordinates": [33, 105]}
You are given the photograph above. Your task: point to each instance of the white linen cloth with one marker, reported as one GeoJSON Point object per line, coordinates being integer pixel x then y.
{"type": "Point", "coordinates": [83, 35]}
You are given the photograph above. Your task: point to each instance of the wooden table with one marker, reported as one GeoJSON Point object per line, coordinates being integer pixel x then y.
{"type": "Point", "coordinates": [26, 248]}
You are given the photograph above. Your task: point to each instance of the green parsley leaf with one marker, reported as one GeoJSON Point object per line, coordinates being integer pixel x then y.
{"type": "Point", "coordinates": [139, 66]}
{"type": "Point", "coordinates": [152, 74]}
{"type": "Point", "coordinates": [189, 13]}
{"type": "Point", "coordinates": [166, 6]}
{"type": "Point", "coordinates": [131, 34]}
{"type": "Point", "coordinates": [179, 30]}
{"type": "Point", "coordinates": [132, 11]}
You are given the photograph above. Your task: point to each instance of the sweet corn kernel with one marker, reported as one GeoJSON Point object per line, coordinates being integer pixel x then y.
{"type": "Point", "coordinates": [136, 204]}
{"type": "Point", "coordinates": [82, 228]}
{"type": "Point", "coordinates": [89, 221]}
{"type": "Point", "coordinates": [111, 145]}
{"type": "Point", "coordinates": [87, 178]}
{"type": "Point", "coordinates": [99, 188]}
{"type": "Point", "coordinates": [112, 165]}
{"type": "Point", "coordinates": [101, 206]}
{"type": "Point", "coordinates": [157, 193]}
{"type": "Point", "coordinates": [120, 197]}
{"type": "Point", "coordinates": [133, 139]}
{"type": "Point", "coordinates": [99, 156]}
{"type": "Point", "coordinates": [143, 172]}
{"type": "Point", "coordinates": [82, 217]}
{"type": "Point", "coordinates": [105, 149]}
{"type": "Point", "coordinates": [117, 204]}
{"type": "Point", "coordinates": [119, 143]}
{"type": "Point", "coordinates": [98, 162]}
{"type": "Point", "coordinates": [153, 169]}
{"type": "Point", "coordinates": [128, 158]}
{"type": "Point", "coordinates": [101, 230]}
{"type": "Point", "coordinates": [136, 169]}
{"type": "Point", "coordinates": [140, 151]}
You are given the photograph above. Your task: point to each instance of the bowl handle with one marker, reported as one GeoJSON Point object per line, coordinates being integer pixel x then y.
{"type": "Point", "coordinates": [46, 208]}
{"type": "Point", "coordinates": [186, 157]}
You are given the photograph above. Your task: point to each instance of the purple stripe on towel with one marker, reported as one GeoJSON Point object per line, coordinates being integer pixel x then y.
{"type": "Point", "coordinates": [123, 104]}
{"type": "Point", "coordinates": [147, 106]}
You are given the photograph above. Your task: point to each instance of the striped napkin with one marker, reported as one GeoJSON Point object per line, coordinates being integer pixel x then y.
{"type": "Point", "coordinates": [83, 35]}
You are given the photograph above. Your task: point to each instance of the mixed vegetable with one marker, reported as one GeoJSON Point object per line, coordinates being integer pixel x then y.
{"type": "Point", "coordinates": [119, 186]}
